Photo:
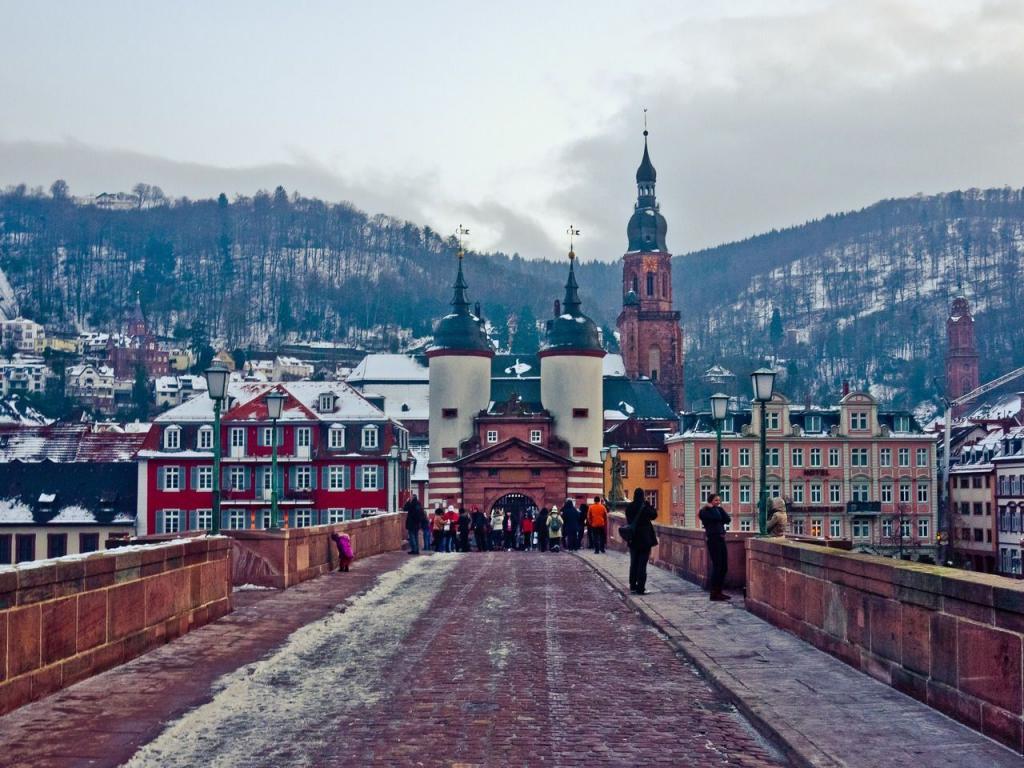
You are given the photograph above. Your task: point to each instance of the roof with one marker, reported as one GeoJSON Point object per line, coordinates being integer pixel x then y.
{"type": "Point", "coordinates": [572, 330]}
{"type": "Point", "coordinates": [460, 330]}
{"type": "Point", "coordinates": [73, 494]}
{"type": "Point", "coordinates": [402, 401]}
{"type": "Point", "coordinates": [622, 397]}
{"type": "Point", "coordinates": [635, 435]}
{"type": "Point", "coordinates": [387, 368]}
{"type": "Point", "coordinates": [646, 172]}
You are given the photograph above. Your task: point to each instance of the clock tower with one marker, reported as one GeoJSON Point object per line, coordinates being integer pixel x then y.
{"type": "Point", "coordinates": [650, 334]}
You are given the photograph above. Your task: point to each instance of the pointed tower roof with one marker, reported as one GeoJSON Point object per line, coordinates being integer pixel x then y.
{"type": "Point", "coordinates": [646, 172]}
{"type": "Point", "coordinates": [572, 330]}
{"type": "Point", "coordinates": [460, 330]}
{"type": "Point", "coordinates": [647, 227]}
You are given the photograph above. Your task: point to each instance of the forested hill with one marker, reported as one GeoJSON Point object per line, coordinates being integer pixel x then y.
{"type": "Point", "coordinates": [860, 296]}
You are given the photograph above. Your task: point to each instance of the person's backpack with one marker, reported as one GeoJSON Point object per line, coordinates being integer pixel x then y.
{"type": "Point", "coordinates": [556, 524]}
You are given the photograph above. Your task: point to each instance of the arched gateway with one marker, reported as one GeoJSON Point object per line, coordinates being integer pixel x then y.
{"type": "Point", "coordinates": [514, 502]}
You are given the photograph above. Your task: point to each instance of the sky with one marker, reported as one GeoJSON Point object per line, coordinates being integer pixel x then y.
{"type": "Point", "coordinates": [519, 119]}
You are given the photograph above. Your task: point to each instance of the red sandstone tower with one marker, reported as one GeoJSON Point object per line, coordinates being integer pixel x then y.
{"type": "Point", "coordinates": [961, 352]}
{"type": "Point", "coordinates": [650, 335]}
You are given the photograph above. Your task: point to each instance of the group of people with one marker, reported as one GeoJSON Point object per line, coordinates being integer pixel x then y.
{"type": "Point", "coordinates": [545, 529]}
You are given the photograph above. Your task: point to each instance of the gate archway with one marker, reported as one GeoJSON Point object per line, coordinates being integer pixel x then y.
{"type": "Point", "coordinates": [512, 502]}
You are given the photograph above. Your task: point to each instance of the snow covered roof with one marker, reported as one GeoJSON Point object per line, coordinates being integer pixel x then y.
{"type": "Point", "coordinates": [613, 365]}
{"type": "Point", "coordinates": [14, 409]}
{"type": "Point", "coordinates": [15, 511]}
{"type": "Point", "coordinates": [421, 455]}
{"type": "Point", "coordinates": [73, 514]}
{"type": "Point", "coordinates": [403, 401]}
{"type": "Point", "coordinates": [1006, 407]}
{"type": "Point", "coordinates": [389, 368]}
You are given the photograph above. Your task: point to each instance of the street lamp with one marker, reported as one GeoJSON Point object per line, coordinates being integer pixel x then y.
{"type": "Point", "coordinates": [719, 406]}
{"type": "Point", "coordinates": [604, 485]}
{"type": "Point", "coordinates": [763, 380]}
{"type": "Point", "coordinates": [216, 389]}
{"type": "Point", "coordinates": [613, 451]}
{"type": "Point", "coordinates": [275, 403]}
{"type": "Point", "coordinates": [393, 478]}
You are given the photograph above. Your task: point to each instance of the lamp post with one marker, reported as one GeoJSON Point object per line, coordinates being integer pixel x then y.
{"type": "Point", "coordinates": [604, 485]}
{"type": "Point", "coordinates": [393, 454]}
{"type": "Point", "coordinates": [763, 380]}
{"type": "Point", "coordinates": [613, 451]}
{"type": "Point", "coordinates": [719, 406]}
{"type": "Point", "coordinates": [404, 474]}
{"type": "Point", "coordinates": [216, 388]}
{"type": "Point", "coordinates": [275, 403]}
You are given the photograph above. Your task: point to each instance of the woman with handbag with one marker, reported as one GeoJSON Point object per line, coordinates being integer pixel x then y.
{"type": "Point", "coordinates": [639, 532]}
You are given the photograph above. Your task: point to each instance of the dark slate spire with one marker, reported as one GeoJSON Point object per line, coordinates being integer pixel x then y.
{"type": "Point", "coordinates": [646, 173]}
{"type": "Point", "coordinates": [460, 300]}
{"type": "Point", "coordinates": [647, 227]}
{"type": "Point", "coordinates": [572, 330]}
{"type": "Point", "coordinates": [571, 304]}
{"type": "Point", "coordinates": [461, 330]}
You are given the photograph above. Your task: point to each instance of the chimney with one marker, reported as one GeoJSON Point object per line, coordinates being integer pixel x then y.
{"type": "Point", "coordinates": [558, 307]}
{"type": "Point", "coordinates": [846, 387]}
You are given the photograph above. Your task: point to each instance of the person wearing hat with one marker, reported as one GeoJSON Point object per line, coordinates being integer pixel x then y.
{"type": "Point", "coordinates": [779, 520]}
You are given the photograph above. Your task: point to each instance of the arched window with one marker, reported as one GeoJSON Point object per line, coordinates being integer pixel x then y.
{"type": "Point", "coordinates": [636, 286]}
{"type": "Point", "coordinates": [654, 362]}
{"type": "Point", "coordinates": [650, 283]}
{"type": "Point", "coordinates": [664, 286]}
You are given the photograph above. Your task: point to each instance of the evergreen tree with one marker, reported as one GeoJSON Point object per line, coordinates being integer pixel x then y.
{"type": "Point", "coordinates": [526, 340]}
{"type": "Point", "coordinates": [141, 397]}
{"type": "Point", "coordinates": [775, 331]}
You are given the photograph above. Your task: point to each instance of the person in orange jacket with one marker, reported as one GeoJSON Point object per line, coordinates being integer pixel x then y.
{"type": "Point", "coordinates": [597, 521]}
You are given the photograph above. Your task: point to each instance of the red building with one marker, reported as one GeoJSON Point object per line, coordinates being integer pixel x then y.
{"type": "Point", "coordinates": [650, 334]}
{"type": "Point", "coordinates": [961, 353]}
{"type": "Point", "coordinates": [339, 458]}
{"type": "Point", "coordinates": [138, 347]}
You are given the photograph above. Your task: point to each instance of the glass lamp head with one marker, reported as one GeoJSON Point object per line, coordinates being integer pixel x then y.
{"type": "Point", "coordinates": [719, 406]}
{"type": "Point", "coordinates": [217, 380]}
{"type": "Point", "coordinates": [763, 380]}
{"type": "Point", "coordinates": [275, 403]}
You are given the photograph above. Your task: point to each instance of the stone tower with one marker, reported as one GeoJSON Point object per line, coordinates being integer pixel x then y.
{"type": "Point", "coordinates": [961, 352]}
{"type": "Point", "coordinates": [650, 333]}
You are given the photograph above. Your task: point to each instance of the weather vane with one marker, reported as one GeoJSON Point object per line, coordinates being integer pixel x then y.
{"type": "Point", "coordinates": [645, 121]}
{"type": "Point", "coordinates": [461, 232]}
{"type": "Point", "coordinates": [573, 232]}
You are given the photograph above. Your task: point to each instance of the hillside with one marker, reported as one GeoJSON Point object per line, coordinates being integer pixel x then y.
{"type": "Point", "coordinates": [860, 296]}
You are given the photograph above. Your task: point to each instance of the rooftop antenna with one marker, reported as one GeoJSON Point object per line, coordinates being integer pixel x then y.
{"type": "Point", "coordinates": [460, 233]}
{"type": "Point", "coordinates": [573, 233]}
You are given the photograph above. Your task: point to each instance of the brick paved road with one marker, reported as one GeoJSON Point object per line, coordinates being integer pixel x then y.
{"type": "Point", "coordinates": [504, 659]}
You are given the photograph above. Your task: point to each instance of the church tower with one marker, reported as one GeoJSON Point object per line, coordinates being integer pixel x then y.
{"type": "Point", "coordinates": [650, 334]}
{"type": "Point", "coordinates": [961, 352]}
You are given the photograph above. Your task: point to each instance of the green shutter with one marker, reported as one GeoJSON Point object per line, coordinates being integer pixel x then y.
{"type": "Point", "coordinates": [312, 478]}
{"type": "Point", "coordinates": [160, 480]}
{"type": "Point", "coordinates": [194, 482]}
{"type": "Point", "coordinates": [359, 477]}
{"type": "Point", "coordinates": [326, 479]}
{"type": "Point", "coordinates": [193, 520]}
{"type": "Point", "coordinates": [159, 521]}
{"type": "Point", "coordinates": [225, 518]}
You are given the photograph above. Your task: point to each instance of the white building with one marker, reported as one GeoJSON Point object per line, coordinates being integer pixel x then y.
{"type": "Point", "coordinates": [25, 336]}
{"type": "Point", "coordinates": [175, 390]}
{"type": "Point", "coordinates": [23, 375]}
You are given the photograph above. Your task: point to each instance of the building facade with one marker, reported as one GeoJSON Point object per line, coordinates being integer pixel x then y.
{"type": "Point", "coordinates": [339, 458]}
{"type": "Point", "coordinates": [961, 353]}
{"type": "Point", "coordinates": [1009, 486]}
{"type": "Point", "coordinates": [23, 336]}
{"type": "Point", "coordinates": [847, 471]}
{"type": "Point", "coordinates": [650, 334]}
{"type": "Point", "coordinates": [642, 462]}
{"type": "Point", "coordinates": [972, 497]}
{"type": "Point", "coordinates": [137, 348]}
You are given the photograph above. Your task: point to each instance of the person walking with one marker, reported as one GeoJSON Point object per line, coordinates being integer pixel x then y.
{"type": "Point", "coordinates": [506, 531]}
{"type": "Point", "coordinates": [527, 530]}
{"type": "Point", "coordinates": [639, 517]}
{"type": "Point", "coordinates": [464, 523]}
{"type": "Point", "coordinates": [414, 518]}
{"type": "Point", "coordinates": [496, 533]}
{"type": "Point", "coordinates": [479, 523]}
{"type": "Point", "coordinates": [556, 526]}
{"type": "Point", "coordinates": [571, 523]}
{"type": "Point", "coordinates": [451, 522]}
{"type": "Point", "coordinates": [541, 526]}
{"type": "Point", "coordinates": [427, 532]}
{"type": "Point", "coordinates": [437, 526]}
{"type": "Point", "coordinates": [585, 523]}
{"type": "Point", "coordinates": [597, 519]}
{"type": "Point", "coordinates": [714, 519]}
{"type": "Point", "coordinates": [779, 521]}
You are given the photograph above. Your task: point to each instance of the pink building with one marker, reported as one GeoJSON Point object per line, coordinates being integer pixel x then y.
{"type": "Point", "coordinates": [846, 471]}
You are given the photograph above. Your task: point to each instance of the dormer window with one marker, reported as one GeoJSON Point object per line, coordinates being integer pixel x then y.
{"type": "Point", "coordinates": [901, 424]}
{"type": "Point", "coordinates": [326, 404]}
{"type": "Point", "coordinates": [772, 418]}
{"type": "Point", "coordinates": [205, 440]}
{"type": "Point", "coordinates": [370, 436]}
{"type": "Point", "coordinates": [172, 438]}
{"type": "Point", "coordinates": [859, 420]}
{"type": "Point", "coordinates": [336, 436]}
{"type": "Point", "coordinates": [812, 423]}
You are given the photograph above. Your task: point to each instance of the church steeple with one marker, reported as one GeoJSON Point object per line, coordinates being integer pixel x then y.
{"type": "Point", "coordinates": [460, 329]}
{"type": "Point", "coordinates": [646, 177]}
{"type": "Point", "coordinates": [647, 227]}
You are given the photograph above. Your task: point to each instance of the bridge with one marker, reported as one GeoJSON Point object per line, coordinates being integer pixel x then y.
{"type": "Point", "coordinates": [495, 659]}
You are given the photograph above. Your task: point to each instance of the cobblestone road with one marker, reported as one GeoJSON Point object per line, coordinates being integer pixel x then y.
{"type": "Point", "coordinates": [504, 659]}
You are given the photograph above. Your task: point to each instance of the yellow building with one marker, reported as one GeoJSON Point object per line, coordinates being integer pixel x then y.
{"type": "Point", "coordinates": [642, 462]}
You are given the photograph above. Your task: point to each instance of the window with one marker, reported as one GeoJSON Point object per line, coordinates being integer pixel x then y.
{"type": "Point", "coordinates": [798, 493]}
{"type": "Point", "coordinates": [798, 527]}
{"type": "Point", "coordinates": [650, 283]}
{"type": "Point", "coordinates": [815, 493]}
{"type": "Point", "coordinates": [303, 480]}
{"type": "Point", "coordinates": [798, 457]}
{"type": "Point", "coordinates": [859, 491]}
{"type": "Point", "coordinates": [335, 516]}
{"type": "Point", "coordinates": [675, 495]}
{"type": "Point", "coordinates": [492, 436]}
{"type": "Point", "coordinates": [904, 456]}
{"type": "Point", "coordinates": [336, 436]}
{"type": "Point", "coordinates": [236, 519]}
{"type": "Point", "coordinates": [812, 423]}
{"type": "Point", "coordinates": [922, 492]}
{"type": "Point", "coordinates": [650, 469]}
{"type": "Point", "coordinates": [885, 457]}
{"type": "Point", "coordinates": [87, 542]}
{"type": "Point", "coordinates": [835, 493]}
{"type": "Point", "coordinates": [706, 490]}
{"type": "Point", "coordinates": [922, 457]}
{"type": "Point", "coordinates": [705, 457]}
{"type": "Point", "coordinates": [172, 521]}
{"type": "Point", "coordinates": [237, 437]}
{"type": "Point", "coordinates": [859, 420]}
{"type": "Point", "coordinates": [859, 457]}
{"type": "Point", "coordinates": [267, 436]}
{"type": "Point", "coordinates": [204, 479]}
{"type": "Point", "coordinates": [887, 493]}
{"type": "Point", "coordinates": [745, 490]}
{"type": "Point", "coordinates": [205, 440]}
{"type": "Point", "coordinates": [56, 544]}
{"type": "Point", "coordinates": [25, 547]}
{"type": "Point", "coordinates": [580, 413]}
{"type": "Point", "coordinates": [904, 492]}
{"type": "Point", "coordinates": [172, 438]}
{"type": "Point", "coordinates": [905, 529]}
{"type": "Point", "coordinates": [449, 413]}
{"type": "Point", "coordinates": [652, 498]}
{"type": "Point", "coordinates": [303, 518]}
{"type": "Point", "coordinates": [746, 524]}
{"type": "Point", "coordinates": [922, 527]}
{"type": "Point", "coordinates": [204, 519]}
{"type": "Point", "coordinates": [901, 424]}
{"type": "Point", "coordinates": [535, 436]}
{"type": "Point", "coordinates": [265, 479]}
{"type": "Point", "coordinates": [815, 457]}
{"type": "Point", "coordinates": [772, 457]}
{"type": "Point", "coordinates": [369, 476]}
{"type": "Point", "coordinates": [623, 468]}
{"type": "Point", "coordinates": [326, 402]}
{"type": "Point", "coordinates": [726, 494]}
{"type": "Point", "coordinates": [723, 457]}
{"type": "Point", "coordinates": [774, 489]}
{"type": "Point", "coordinates": [303, 437]}
{"type": "Point", "coordinates": [580, 450]}
{"type": "Point", "coordinates": [833, 457]}
{"type": "Point", "coordinates": [773, 420]}
{"type": "Point", "coordinates": [336, 477]}
{"type": "Point", "coordinates": [370, 436]}
{"type": "Point", "coordinates": [237, 477]}
{"type": "Point", "coordinates": [816, 527]}
{"type": "Point", "coordinates": [861, 529]}
{"type": "Point", "coordinates": [835, 528]}
{"type": "Point", "coordinates": [172, 478]}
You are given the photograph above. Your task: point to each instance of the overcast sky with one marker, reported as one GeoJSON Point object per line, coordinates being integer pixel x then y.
{"type": "Point", "coordinates": [516, 119]}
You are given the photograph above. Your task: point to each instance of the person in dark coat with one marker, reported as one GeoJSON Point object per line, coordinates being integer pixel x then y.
{"type": "Point", "coordinates": [464, 523]}
{"type": "Point", "coordinates": [571, 523]}
{"type": "Point", "coordinates": [640, 515]}
{"type": "Point", "coordinates": [540, 525]}
{"type": "Point", "coordinates": [714, 519]}
{"type": "Point", "coordinates": [478, 520]}
{"type": "Point", "coordinates": [414, 520]}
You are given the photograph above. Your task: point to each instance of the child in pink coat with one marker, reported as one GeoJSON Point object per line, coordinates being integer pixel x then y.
{"type": "Point", "coordinates": [345, 553]}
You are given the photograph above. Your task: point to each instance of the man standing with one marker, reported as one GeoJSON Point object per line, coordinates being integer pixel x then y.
{"type": "Point", "coordinates": [597, 521]}
{"type": "Point", "coordinates": [714, 519]}
{"type": "Point", "coordinates": [414, 520]}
